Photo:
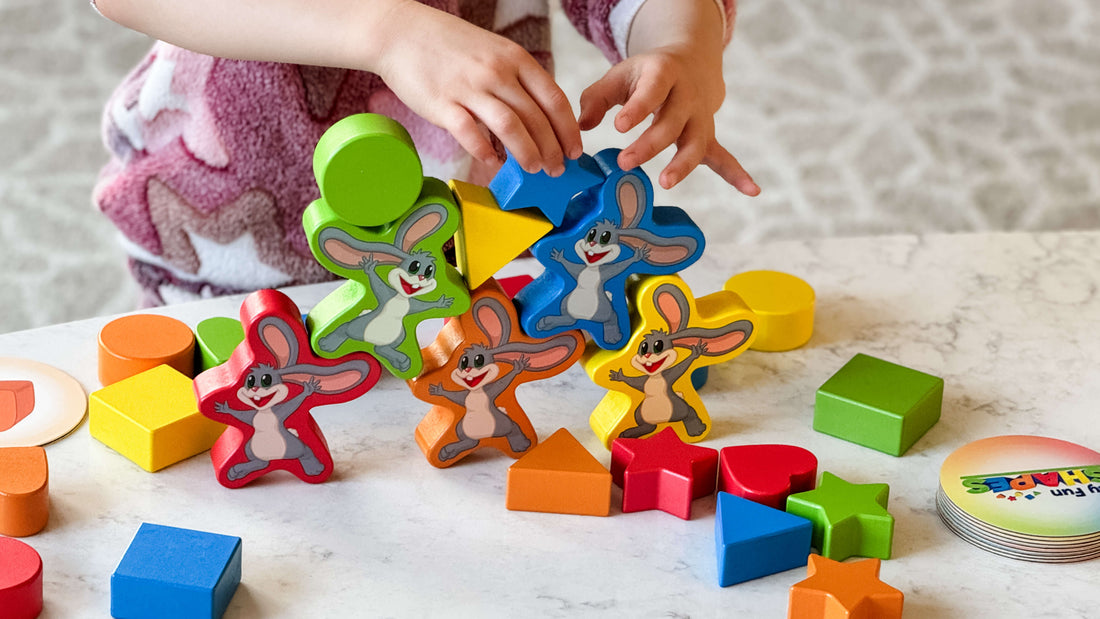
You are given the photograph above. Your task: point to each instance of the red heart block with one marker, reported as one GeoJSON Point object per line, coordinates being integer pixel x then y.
{"type": "Point", "coordinates": [20, 580]}
{"type": "Point", "coordinates": [766, 474]}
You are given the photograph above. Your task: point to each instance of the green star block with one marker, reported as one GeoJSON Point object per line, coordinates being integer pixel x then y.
{"type": "Point", "coordinates": [849, 519]}
{"type": "Point", "coordinates": [878, 404]}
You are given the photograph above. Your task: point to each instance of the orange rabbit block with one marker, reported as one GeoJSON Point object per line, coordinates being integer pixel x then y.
{"type": "Point", "coordinates": [132, 344]}
{"type": "Point", "coordinates": [835, 590]}
{"type": "Point", "coordinates": [24, 491]}
{"type": "Point", "coordinates": [559, 476]}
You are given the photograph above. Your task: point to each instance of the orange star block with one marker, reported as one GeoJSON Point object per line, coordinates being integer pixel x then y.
{"type": "Point", "coordinates": [649, 381]}
{"type": "Point", "coordinates": [470, 376]}
{"type": "Point", "coordinates": [835, 590]}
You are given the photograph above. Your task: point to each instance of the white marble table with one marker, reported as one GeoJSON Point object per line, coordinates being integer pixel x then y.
{"type": "Point", "coordinates": [1010, 321]}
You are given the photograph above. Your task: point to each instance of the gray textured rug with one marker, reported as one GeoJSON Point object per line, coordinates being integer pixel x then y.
{"type": "Point", "coordinates": [855, 116]}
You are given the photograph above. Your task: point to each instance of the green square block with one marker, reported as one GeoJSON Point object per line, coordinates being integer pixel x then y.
{"type": "Point", "coordinates": [878, 404]}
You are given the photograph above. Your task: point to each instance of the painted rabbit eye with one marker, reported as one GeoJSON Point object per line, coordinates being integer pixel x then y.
{"type": "Point", "coordinates": [414, 267]}
{"type": "Point", "coordinates": [479, 361]}
{"type": "Point", "coordinates": [429, 271]}
{"type": "Point", "coordinates": [250, 382]}
{"type": "Point", "coordinates": [644, 348]}
{"type": "Point", "coordinates": [591, 238]}
{"type": "Point", "coordinates": [464, 363]}
{"type": "Point", "coordinates": [605, 238]}
{"type": "Point", "coordinates": [658, 347]}
{"type": "Point", "coordinates": [265, 380]}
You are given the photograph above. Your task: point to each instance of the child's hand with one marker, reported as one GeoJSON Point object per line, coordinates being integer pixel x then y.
{"type": "Point", "coordinates": [468, 80]}
{"type": "Point", "coordinates": [675, 75]}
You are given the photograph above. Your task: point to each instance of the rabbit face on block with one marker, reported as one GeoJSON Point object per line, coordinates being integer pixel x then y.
{"type": "Point", "coordinates": [612, 231]}
{"type": "Point", "coordinates": [649, 380]}
{"type": "Point", "coordinates": [265, 391]}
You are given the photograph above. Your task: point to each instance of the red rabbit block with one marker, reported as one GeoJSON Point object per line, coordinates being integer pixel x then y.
{"type": "Point", "coordinates": [265, 391]}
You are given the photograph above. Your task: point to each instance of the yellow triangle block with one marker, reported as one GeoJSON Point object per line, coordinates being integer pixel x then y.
{"type": "Point", "coordinates": [559, 476]}
{"type": "Point", "coordinates": [490, 238]}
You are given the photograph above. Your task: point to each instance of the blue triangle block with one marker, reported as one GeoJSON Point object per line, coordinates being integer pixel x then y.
{"type": "Point", "coordinates": [755, 540]}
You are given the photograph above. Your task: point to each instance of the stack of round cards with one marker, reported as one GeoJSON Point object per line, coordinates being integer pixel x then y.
{"type": "Point", "coordinates": [1024, 497]}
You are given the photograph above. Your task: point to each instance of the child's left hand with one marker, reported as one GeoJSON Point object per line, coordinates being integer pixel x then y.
{"type": "Point", "coordinates": [680, 83]}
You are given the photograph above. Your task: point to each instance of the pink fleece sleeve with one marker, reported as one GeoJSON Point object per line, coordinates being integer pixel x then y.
{"type": "Point", "coordinates": [606, 23]}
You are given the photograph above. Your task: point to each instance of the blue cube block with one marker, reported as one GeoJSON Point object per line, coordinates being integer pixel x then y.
{"type": "Point", "coordinates": [170, 573]}
{"type": "Point", "coordinates": [755, 540]}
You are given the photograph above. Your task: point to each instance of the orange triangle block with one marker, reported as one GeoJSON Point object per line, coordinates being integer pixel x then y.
{"type": "Point", "coordinates": [559, 476]}
{"type": "Point", "coordinates": [490, 238]}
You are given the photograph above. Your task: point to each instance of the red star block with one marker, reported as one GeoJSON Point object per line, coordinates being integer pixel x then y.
{"type": "Point", "coordinates": [835, 590]}
{"type": "Point", "coordinates": [662, 472]}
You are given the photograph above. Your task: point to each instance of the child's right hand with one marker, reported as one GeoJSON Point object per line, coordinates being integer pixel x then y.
{"type": "Point", "coordinates": [467, 80]}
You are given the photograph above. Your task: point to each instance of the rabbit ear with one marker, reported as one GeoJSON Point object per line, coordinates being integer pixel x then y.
{"type": "Point", "coordinates": [541, 356]}
{"type": "Point", "coordinates": [719, 341]}
{"type": "Point", "coordinates": [673, 306]}
{"type": "Point", "coordinates": [491, 317]}
{"type": "Point", "coordinates": [421, 224]}
{"type": "Point", "coordinates": [332, 380]}
{"type": "Point", "coordinates": [279, 339]}
{"type": "Point", "coordinates": [662, 251]}
{"type": "Point", "coordinates": [631, 196]}
{"type": "Point", "coordinates": [347, 251]}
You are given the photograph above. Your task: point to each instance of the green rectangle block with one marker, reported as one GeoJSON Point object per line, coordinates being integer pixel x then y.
{"type": "Point", "coordinates": [878, 404]}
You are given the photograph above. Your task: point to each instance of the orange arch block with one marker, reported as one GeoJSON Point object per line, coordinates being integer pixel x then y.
{"type": "Point", "coordinates": [24, 491]}
{"type": "Point", "coordinates": [559, 476]}
{"type": "Point", "coordinates": [133, 344]}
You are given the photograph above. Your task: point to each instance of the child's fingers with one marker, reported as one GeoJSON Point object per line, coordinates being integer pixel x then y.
{"type": "Point", "coordinates": [668, 126]}
{"type": "Point", "coordinates": [607, 92]}
{"type": "Point", "coordinates": [555, 105]}
{"type": "Point", "coordinates": [727, 166]}
{"type": "Point", "coordinates": [505, 123]}
{"type": "Point", "coordinates": [537, 126]}
{"type": "Point", "coordinates": [466, 131]}
{"type": "Point", "coordinates": [691, 147]}
{"type": "Point", "coordinates": [650, 91]}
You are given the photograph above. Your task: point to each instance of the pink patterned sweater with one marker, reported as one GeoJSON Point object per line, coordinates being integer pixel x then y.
{"type": "Point", "coordinates": [211, 162]}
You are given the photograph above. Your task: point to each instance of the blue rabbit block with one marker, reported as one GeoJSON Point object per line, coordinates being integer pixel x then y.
{"type": "Point", "coordinates": [514, 188]}
{"type": "Point", "coordinates": [170, 573]}
{"type": "Point", "coordinates": [755, 540]}
{"type": "Point", "coordinates": [609, 232]}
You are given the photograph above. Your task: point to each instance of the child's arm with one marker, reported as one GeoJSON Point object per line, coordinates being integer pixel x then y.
{"type": "Point", "coordinates": [455, 75]}
{"type": "Point", "coordinates": [674, 72]}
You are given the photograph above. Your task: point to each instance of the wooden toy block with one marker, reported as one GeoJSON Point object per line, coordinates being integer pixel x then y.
{"type": "Point", "coordinates": [398, 275]}
{"type": "Point", "coordinates": [265, 391]}
{"type": "Point", "coordinates": [615, 232]}
{"type": "Point", "coordinates": [662, 472]}
{"type": "Point", "coordinates": [20, 580]}
{"type": "Point", "coordinates": [471, 372]}
{"type": "Point", "coordinates": [783, 304]}
{"type": "Point", "coordinates": [515, 189]}
{"type": "Point", "coordinates": [24, 491]}
{"type": "Point", "coordinates": [173, 573]}
{"type": "Point", "coordinates": [132, 344]}
{"type": "Point", "coordinates": [649, 381]}
{"type": "Point", "coordinates": [489, 237]}
{"type": "Point", "coordinates": [512, 285]}
{"type": "Point", "coordinates": [849, 519]}
{"type": "Point", "coordinates": [755, 540]}
{"type": "Point", "coordinates": [559, 476]}
{"type": "Point", "coordinates": [16, 402]}
{"type": "Point", "coordinates": [878, 404]}
{"type": "Point", "coordinates": [766, 474]}
{"type": "Point", "coordinates": [367, 169]}
{"type": "Point", "coordinates": [58, 404]}
{"type": "Point", "coordinates": [835, 590]}
{"type": "Point", "coordinates": [151, 418]}
{"type": "Point", "coordinates": [216, 338]}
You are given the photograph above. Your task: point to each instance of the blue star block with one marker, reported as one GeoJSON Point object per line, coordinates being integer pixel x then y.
{"type": "Point", "coordinates": [515, 188]}
{"type": "Point", "coordinates": [171, 573]}
{"type": "Point", "coordinates": [755, 540]}
{"type": "Point", "coordinates": [609, 233]}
